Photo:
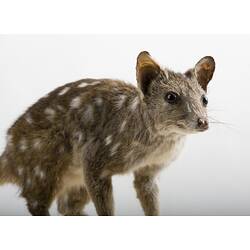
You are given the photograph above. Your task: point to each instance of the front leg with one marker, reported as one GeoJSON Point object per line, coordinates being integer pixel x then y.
{"type": "Point", "coordinates": [147, 190]}
{"type": "Point", "coordinates": [101, 193]}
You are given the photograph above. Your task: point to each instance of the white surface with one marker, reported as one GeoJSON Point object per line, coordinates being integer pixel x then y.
{"type": "Point", "coordinates": [124, 17]}
{"type": "Point", "coordinates": [211, 177]}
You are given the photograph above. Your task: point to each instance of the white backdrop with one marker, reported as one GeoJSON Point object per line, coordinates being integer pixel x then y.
{"type": "Point", "coordinates": [211, 176]}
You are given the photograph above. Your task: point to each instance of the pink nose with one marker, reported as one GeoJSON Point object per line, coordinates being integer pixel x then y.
{"type": "Point", "coordinates": [202, 124]}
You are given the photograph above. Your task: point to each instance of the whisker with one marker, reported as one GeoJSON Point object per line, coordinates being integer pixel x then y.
{"type": "Point", "coordinates": [218, 121]}
{"type": "Point", "coordinates": [215, 110]}
{"type": "Point", "coordinates": [226, 124]}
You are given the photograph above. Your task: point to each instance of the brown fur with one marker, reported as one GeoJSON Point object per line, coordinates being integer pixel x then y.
{"type": "Point", "coordinates": [69, 144]}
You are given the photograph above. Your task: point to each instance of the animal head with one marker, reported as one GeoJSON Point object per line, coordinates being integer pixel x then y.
{"type": "Point", "coordinates": [178, 102]}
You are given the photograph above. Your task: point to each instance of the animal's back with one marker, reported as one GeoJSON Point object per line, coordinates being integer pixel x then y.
{"type": "Point", "coordinates": [40, 144]}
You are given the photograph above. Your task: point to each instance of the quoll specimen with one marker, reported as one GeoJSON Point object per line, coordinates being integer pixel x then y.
{"type": "Point", "coordinates": [70, 143]}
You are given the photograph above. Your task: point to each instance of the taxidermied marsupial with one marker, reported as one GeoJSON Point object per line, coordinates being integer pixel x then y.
{"type": "Point", "coordinates": [70, 143]}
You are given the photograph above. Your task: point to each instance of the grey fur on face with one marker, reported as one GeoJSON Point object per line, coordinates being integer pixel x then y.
{"type": "Point", "coordinates": [183, 116]}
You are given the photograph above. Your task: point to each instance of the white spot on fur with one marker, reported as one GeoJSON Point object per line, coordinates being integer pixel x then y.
{"type": "Point", "coordinates": [37, 143]}
{"type": "Point", "coordinates": [50, 111]}
{"type": "Point", "coordinates": [113, 150]}
{"type": "Point", "coordinates": [85, 84]}
{"type": "Point", "coordinates": [42, 175]}
{"type": "Point", "coordinates": [128, 156]}
{"type": "Point", "coordinates": [76, 102]}
{"type": "Point", "coordinates": [23, 145]}
{"type": "Point", "coordinates": [120, 101]}
{"type": "Point", "coordinates": [28, 118]}
{"type": "Point", "coordinates": [34, 204]}
{"type": "Point", "coordinates": [61, 149]}
{"type": "Point", "coordinates": [65, 199]}
{"type": "Point", "coordinates": [95, 82]}
{"type": "Point", "coordinates": [134, 103]}
{"type": "Point", "coordinates": [108, 140]}
{"type": "Point", "coordinates": [64, 91]}
{"type": "Point", "coordinates": [88, 114]}
{"type": "Point", "coordinates": [28, 182]}
{"type": "Point", "coordinates": [20, 171]}
{"type": "Point", "coordinates": [78, 136]}
{"type": "Point", "coordinates": [123, 125]}
{"type": "Point", "coordinates": [98, 101]}
{"type": "Point", "coordinates": [9, 140]}
{"type": "Point", "coordinates": [59, 107]}
{"type": "Point", "coordinates": [82, 85]}
{"type": "Point", "coordinates": [106, 173]}
{"type": "Point", "coordinates": [38, 172]}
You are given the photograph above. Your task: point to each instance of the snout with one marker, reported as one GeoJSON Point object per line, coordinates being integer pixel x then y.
{"type": "Point", "coordinates": [202, 124]}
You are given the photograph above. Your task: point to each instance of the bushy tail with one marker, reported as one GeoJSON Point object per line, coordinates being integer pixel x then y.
{"type": "Point", "coordinates": [3, 177]}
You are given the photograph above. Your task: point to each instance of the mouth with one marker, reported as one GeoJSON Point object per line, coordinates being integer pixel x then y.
{"type": "Point", "coordinates": [192, 130]}
{"type": "Point", "coordinates": [202, 129]}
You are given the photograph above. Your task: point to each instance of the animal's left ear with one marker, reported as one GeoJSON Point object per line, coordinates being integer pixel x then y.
{"type": "Point", "coordinates": [203, 71]}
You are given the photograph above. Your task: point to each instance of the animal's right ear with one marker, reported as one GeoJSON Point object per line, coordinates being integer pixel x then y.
{"type": "Point", "coordinates": [146, 71]}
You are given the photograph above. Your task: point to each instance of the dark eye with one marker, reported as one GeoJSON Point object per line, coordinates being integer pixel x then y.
{"type": "Point", "coordinates": [172, 97]}
{"type": "Point", "coordinates": [204, 100]}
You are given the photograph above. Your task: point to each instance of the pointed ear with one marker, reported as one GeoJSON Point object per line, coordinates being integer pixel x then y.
{"type": "Point", "coordinates": [204, 71]}
{"type": "Point", "coordinates": [146, 70]}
